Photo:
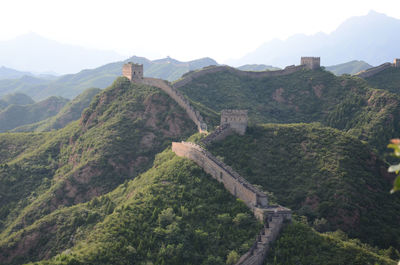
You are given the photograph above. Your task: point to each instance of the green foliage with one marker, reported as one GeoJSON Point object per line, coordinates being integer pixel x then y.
{"type": "Point", "coordinates": [299, 244]}
{"type": "Point", "coordinates": [17, 115]}
{"type": "Point", "coordinates": [345, 103]}
{"type": "Point", "coordinates": [232, 257]}
{"type": "Point", "coordinates": [395, 145]}
{"type": "Point", "coordinates": [333, 179]}
{"type": "Point", "coordinates": [70, 112]}
{"type": "Point", "coordinates": [388, 79]}
{"type": "Point", "coordinates": [117, 138]}
{"type": "Point", "coordinates": [168, 215]}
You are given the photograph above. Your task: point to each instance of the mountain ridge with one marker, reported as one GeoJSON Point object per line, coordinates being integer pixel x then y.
{"type": "Point", "coordinates": [370, 38]}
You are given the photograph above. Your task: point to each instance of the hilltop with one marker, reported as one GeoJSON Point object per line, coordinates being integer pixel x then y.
{"type": "Point", "coordinates": [17, 115]}
{"type": "Point", "coordinates": [116, 139]}
{"type": "Point", "coordinates": [71, 85]}
{"type": "Point", "coordinates": [15, 99]}
{"type": "Point", "coordinates": [70, 112]}
{"type": "Point", "coordinates": [346, 103]}
{"type": "Point", "coordinates": [351, 67]}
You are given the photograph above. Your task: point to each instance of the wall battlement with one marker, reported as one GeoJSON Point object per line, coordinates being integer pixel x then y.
{"type": "Point", "coordinates": [237, 119]}
{"type": "Point", "coordinates": [311, 63]}
{"type": "Point", "coordinates": [396, 62]}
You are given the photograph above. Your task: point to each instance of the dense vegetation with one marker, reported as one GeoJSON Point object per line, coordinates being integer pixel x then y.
{"type": "Point", "coordinates": [388, 79]}
{"type": "Point", "coordinates": [299, 244]}
{"type": "Point", "coordinates": [93, 192]}
{"type": "Point", "coordinates": [71, 85]}
{"type": "Point", "coordinates": [351, 67]}
{"type": "Point", "coordinates": [345, 102]}
{"type": "Point", "coordinates": [17, 115]}
{"type": "Point", "coordinates": [70, 112]}
{"type": "Point", "coordinates": [172, 214]}
{"type": "Point", "coordinates": [334, 180]}
{"type": "Point", "coordinates": [116, 139]}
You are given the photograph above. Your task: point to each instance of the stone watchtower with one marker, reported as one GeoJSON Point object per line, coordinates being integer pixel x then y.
{"type": "Point", "coordinates": [396, 62]}
{"type": "Point", "coordinates": [237, 119]}
{"type": "Point", "coordinates": [311, 63]}
{"type": "Point", "coordinates": [132, 71]}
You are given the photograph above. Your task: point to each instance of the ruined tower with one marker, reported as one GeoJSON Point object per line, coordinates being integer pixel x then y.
{"type": "Point", "coordinates": [396, 62]}
{"type": "Point", "coordinates": [237, 119]}
{"type": "Point", "coordinates": [132, 71]}
{"type": "Point", "coordinates": [311, 63]}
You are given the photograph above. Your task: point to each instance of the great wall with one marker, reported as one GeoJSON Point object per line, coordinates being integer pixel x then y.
{"type": "Point", "coordinates": [374, 70]}
{"type": "Point", "coordinates": [232, 121]}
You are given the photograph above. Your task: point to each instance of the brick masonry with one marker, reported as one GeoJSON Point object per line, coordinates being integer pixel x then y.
{"type": "Point", "coordinates": [311, 63]}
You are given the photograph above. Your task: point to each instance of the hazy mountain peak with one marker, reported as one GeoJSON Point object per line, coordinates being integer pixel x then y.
{"type": "Point", "coordinates": [371, 38]}
{"type": "Point", "coordinates": [35, 53]}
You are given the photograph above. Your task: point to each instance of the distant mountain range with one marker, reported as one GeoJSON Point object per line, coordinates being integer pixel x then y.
{"type": "Point", "coordinates": [34, 53]}
{"type": "Point", "coordinates": [372, 38]}
{"type": "Point", "coordinates": [69, 86]}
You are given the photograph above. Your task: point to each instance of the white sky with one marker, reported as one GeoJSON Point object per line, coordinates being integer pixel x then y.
{"type": "Point", "coordinates": [182, 29]}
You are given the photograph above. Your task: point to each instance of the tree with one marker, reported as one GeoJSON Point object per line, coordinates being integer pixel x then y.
{"type": "Point", "coordinates": [395, 145]}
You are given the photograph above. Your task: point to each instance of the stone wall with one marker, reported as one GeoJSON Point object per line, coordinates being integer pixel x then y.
{"type": "Point", "coordinates": [374, 70]}
{"type": "Point", "coordinates": [218, 134]}
{"type": "Point", "coordinates": [273, 216]}
{"type": "Point", "coordinates": [257, 253]}
{"type": "Point", "coordinates": [232, 181]}
{"type": "Point", "coordinates": [180, 99]}
{"type": "Point", "coordinates": [188, 77]}
{"type": "Point", "coordinates": [311, 62]}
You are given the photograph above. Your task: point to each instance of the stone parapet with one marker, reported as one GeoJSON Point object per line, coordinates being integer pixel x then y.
{"type": "Point", "coordinates": [188, 77]}
{"type": "Point", "coordinates": [374, 70]}
{"type": "Point", "coordinates": [194, 115]}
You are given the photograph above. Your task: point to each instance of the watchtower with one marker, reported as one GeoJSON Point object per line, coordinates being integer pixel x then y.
{"type": "Point", "coordinates": [237, 119]}
{"type": "Point", "coordinates": [396, 62]}
{"type": "Point", "coordinates": [311, 63]}
{"type": "Point", "coordinates": [133, 71]}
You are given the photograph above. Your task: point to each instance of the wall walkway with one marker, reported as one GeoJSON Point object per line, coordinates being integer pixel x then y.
{"type": "Point", "coordinates": [273, 216]}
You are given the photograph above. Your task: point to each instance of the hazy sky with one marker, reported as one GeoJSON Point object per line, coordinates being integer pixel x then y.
{"type": "Point", "coordinates": [182, 29]}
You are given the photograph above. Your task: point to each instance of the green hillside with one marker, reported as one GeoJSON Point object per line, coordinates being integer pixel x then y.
{"type": "Point", "coordinates": [115, 140]}
{"type": "Point", "coordinates": [388, 79]}
{"type": "Point", "coordinates": [331, 178]}
{"type": "Point", "coordinates": [17, 115]}
{"type": "Point", "coordinates": [345, 102]}
{"type": "Point", "coordinates": [350, 68]}
{"type": "Point", "coordinates": [299, 244]}
{"type": "Point", "coordinates": [172, 214]}
{"type": "Point", "coordinates": [69, 86]}
{"type": "Point", "coordinates": [70, 112]}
